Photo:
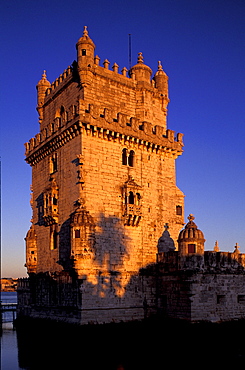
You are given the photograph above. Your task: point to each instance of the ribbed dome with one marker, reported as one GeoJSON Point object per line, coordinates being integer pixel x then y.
{"type": "Point", "coordinates": [160, 71]}
{"type": "Point", "coordinates": [191, 232]}
{"type": "Point", "coordinates": [31, 234]}
{"type": "Point", "coordinates": [81, 217]}
{"type": "Point", "coordinates": [141, 71]}
{"type": "Point", "coordinates": [44, 81]}
{"type": "Point", "coordinates": [85, 39]}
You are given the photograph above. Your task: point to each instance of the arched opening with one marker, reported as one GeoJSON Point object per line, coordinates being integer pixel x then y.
{"type": "Point", "coordinates": [178, 210]}
{"type": "Point", "coordinates": [131, 198]}
{"type": "Point", "coordinates": [53, 237]}
{"type": "Point", "coordinates": [124, 157]}
{"type": "Point", "coordinates": [131, 158]}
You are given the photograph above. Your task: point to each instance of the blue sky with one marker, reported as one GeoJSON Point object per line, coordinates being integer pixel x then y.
{"type": "Point", "coordinates": [201, 46]}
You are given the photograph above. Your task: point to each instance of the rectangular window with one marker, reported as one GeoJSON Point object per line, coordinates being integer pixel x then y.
{"type": "Point", "coordinates": [178, 210]}
{"type": "Point", "coordinates": [83, 52]}
{"type": "Point", "coordinates": [77, 233]}
{"type": "Point", "coordinates": [241, 299]}
{"type": "Point", "coordinates": [191, 248]}
{"type": "Point", "coordinates": [220, 299]}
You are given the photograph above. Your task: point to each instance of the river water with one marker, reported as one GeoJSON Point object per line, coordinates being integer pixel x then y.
{"type": "Point", "coordinates": [9, 348]}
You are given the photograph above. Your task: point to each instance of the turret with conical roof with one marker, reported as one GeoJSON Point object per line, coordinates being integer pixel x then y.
{"type": "Point", "coordinates": [161, 80]}
{"type": "Point", "coordinates": [85, 54]}
{"type": "Point", "coordinates": [42, 87]}
{"type": "Point", "coordinates": [191, 239]}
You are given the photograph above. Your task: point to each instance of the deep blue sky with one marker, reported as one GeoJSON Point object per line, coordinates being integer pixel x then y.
{"type": "Point", "coordinates": [201, 46]}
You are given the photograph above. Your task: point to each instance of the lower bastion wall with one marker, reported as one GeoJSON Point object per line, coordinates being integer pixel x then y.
{"type": "Point", "coordinates": [76, 301]}
{"type": "Point", "coordinates": [197, 288]}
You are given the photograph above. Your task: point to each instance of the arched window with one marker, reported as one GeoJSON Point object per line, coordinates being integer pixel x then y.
{"type": "Point", "coordinates": [124, 157]}
{"type": "Point", "coordinates": [131, 198]}
{"type": "Point", "coordinates": [53, 163]}
{"type": "Point", "coordinates": [62, 114]}
{"type": "Point", "coordinates": [53, 237]}
{"type": "Point", "coordinates": [131, 158]}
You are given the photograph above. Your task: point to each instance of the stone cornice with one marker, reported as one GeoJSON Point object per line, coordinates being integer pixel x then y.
{"type": "Point", "coordinates": [125, 131]}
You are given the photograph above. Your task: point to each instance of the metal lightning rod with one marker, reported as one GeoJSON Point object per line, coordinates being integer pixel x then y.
{"type": "Point", "coordinates": [129, 51]}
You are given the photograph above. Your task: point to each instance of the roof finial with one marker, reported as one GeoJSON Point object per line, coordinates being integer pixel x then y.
{"type": "Point", "coordinates": [216, 246]}
{"type": "Point", "coordinates": [140, 58]}
{"type": "Point", "coordinates": [85, 31]}
{"type": "Point", "coordinates": [191, 217]}
{"type": "Point", "coordinates": [159, 66]}
{"type": "Point", "coordinates": [44, 76]}
{"type": "Point", "coordinates": [236, 248]}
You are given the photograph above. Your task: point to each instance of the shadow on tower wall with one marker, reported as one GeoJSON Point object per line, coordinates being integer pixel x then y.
{"type": "Point", "coordinates": [111, 286]}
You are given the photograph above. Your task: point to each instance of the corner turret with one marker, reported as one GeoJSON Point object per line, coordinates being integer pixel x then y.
{"type": "Point", "coordinates": [85, 55]}
{"type": "Point", "coordinates": [161, 80]}
{"type": "Point", "coordinates": [42, 87]}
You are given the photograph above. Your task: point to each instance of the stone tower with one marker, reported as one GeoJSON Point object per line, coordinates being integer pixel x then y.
{"type": "Point", "coordinates": [103, 172]}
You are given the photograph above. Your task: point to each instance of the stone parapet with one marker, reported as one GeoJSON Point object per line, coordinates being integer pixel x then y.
{"type": "Point", "coordinates": [122, 128]}
{"type": "Point", "coordinates": [209, 262]}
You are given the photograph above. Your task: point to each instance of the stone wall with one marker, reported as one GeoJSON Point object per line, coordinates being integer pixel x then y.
{"type": "Point", "coordinates": [209, 287]}
{"type": "Point", "coordinates": [80, 302]}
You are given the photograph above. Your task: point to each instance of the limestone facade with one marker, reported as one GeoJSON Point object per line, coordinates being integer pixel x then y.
{"type": "Point", "coordinates": [103, 170]}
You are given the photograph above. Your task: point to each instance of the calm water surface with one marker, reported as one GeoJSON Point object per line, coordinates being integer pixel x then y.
{"type": "Point", "coordinates": [9, 348]}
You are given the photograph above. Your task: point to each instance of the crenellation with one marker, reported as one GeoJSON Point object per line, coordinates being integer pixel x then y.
{"type": "Point", "coordinates": [156, 132]}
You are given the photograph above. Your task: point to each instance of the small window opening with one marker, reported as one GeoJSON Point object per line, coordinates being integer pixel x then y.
{"type": "Point", "coordinates": [131, 158]}
{"type": "Point", "coordinates": [55, 201]}
{"type": "Point", "coordinates": [191, 248]}
{"type": "Point", "coordinates": [241, 299]}
{"type": "Point", "coordinates": [83, 52]}
{"type": "Point", "coordinates": [74, 109]}
{"type": "Point", "coordinates": [77, 233]}
{"type": "Point", "coordinates": [54, 163]}
{"type": "Point", "coordinates": [178, 210]}
{"type": "Point", "coordinates": [124, 157]}
{"type": "Point", "coordinates": [220, 299]}
{"type": "Point", "coordinates": [131, 198]}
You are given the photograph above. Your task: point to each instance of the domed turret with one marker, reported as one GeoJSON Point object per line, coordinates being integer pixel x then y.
{"type": "Point", "coordinates": [31, 250]}
{"type": "Point", "coordinates": [191, 239]}
{"type": "Point", "coordinates": [140, 71]}
{"type": "Point", "coordinates": [42, 87]}
{"type": "Point", "coordinates": [85, 53]}
{"type": "Point", "coordinates": [81, 217]}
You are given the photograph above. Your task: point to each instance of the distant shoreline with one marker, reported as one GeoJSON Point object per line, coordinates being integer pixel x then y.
{"type": "Point", "coordinates": [9, 285]}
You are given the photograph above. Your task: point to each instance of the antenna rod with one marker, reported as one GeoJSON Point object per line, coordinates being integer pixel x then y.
{"type": "Point", "coordinates": [129, 51]}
